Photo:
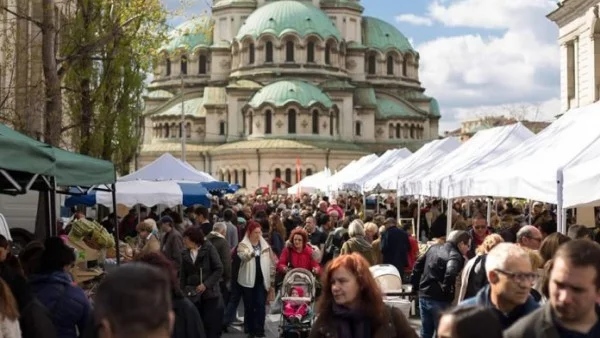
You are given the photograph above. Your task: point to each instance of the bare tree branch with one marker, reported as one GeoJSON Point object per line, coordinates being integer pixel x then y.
{"type": "Point", "coordinates": [23, 16]}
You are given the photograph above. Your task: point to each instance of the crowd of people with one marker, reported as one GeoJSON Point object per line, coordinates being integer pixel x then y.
{"type": "Point", "coordinates": [190, 270]}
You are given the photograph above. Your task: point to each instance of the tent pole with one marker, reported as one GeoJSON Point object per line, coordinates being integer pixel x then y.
{"type": "Point", "coordinates": [52, 192]}
{"type": "Point", "coordinates": [114, 206]}
{"type": "Point", "coordinates": [418, 234]}
{"type": "Point", "coordinates": [559, 201]}
{"type": "Point", "coordinates": [398, 198]}
{"type": "Point", "coordinates": [448, 217]}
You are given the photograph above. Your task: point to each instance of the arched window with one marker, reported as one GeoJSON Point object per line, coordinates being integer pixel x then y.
{"type": "Point", "coordinates": [315, 121]}
{"type": "Point", "coordinates": [331, 124]}
{"type": "Point", "coordinates": [202, 63]}
{"type": "Point", "coordinates": [291, 121]}
{"type": "Point", "coordinates": [168, 66]}
{"type": "Point", "coordinates": [188, 130]}
{"type": "Point", "coordinates": [390, 65]}
{"type": "Point", "coordinates": [398, 131]}
{"type": "Point", "coordinates": [229, 176]}
{"type": "Point", "coordinates": [308, 172]}
{"type": "Point", "coordinates": [327, 54]}
{"type": "Point", "coordinates": [167, 131]}
{"type": "Point", "coordinates": [250, 124]}
{"type": "Point", "coordinates": [289, 51]}
{"type": "Point", "coordinates": [236, 178]}
{"type": "Point", "coordinates": [357, 128]}
{"type": "Point", "coordinates": [288, 175]}
{"type": "Point", "coordinates": [222, 128]}
{"type": "Point", "coordinates": [184, 64]}
{"type": "Point", "coordinates": [371, 64]}
{"type": "Point", "coordinates": [277, 175]}
{"type": "Point", "coordinates": [268, 122]}
{"type": "Point", "coordinates": [412, 131]}
{"type": "Point", "coordinates": [404, 67]}
{"type": "Point", "coordinates": [269, 51]}
{"type": "Point", "coordinates": [243, 178]}
{"type": "Point", "coordinates": [251, 54]}
{"type": "Point", "coordinates": [405, 131]}
{"type": "Point", "coordinates": [310, 52]}
{"type": "Point", "coordinates": [221, 176]}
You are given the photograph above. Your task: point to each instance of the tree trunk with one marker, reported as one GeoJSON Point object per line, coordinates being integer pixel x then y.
{"type": "Point", "coordinates": [87, 65]}
{"type": "Point", "coordinates": [53, 106]}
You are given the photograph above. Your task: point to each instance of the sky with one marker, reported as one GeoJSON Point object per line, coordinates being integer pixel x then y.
{"type": "Point", "coordinates": [477, 57]}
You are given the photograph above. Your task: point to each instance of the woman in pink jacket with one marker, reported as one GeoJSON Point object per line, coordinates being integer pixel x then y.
{"type": "Point", "coordinates": [298, 254]}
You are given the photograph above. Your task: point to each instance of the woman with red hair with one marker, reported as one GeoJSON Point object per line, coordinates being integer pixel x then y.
{"type": "Point", "coordinates": [256, 277]}
{"type": "Point", "coordinates": [351, 305]}
{"type": "Point", "coordinates": [298, 254]}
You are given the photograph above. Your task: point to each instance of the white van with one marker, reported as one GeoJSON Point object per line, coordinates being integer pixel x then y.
{"type": "Point", "coordinates": [17, 217]}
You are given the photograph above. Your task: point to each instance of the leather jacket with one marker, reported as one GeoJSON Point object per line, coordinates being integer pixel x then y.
{"type": "Point", "coordinates": [435, 272]}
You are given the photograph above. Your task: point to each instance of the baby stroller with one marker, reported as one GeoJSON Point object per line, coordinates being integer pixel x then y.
{"type": "Point", "coordinates": [390, 283]}
{"type": "Point", "coordinates": [302, 284]}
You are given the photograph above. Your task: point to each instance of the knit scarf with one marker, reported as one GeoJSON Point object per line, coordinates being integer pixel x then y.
{"type": "Point", "coordinates": [351, 323]}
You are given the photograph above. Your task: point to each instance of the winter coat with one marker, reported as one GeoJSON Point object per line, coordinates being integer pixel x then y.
{"type": "Point", "coordinates": [434, 275]}
{"type": "Point", "coordinates": [68, 304]}
{"type": "Point", "coordinates": [397, 327]}
{"type": "Point", "coordinates": [152, 244]}
{"type": "Point", "coordinates": [172, 246]}
{"type": "Point", "coordinates": [247, 273]}
{"type": "Point", "coordinates": [207, 270]}
{"type": "Point", "coordinates": [413, 254]}
{"type": "Point", "coordinates": [482, 299]}
{"type": "Point", "coordinates": [291, 309]}
{"type": "Point", "coordinates": [231, 235]}
{"type": "Point", "coordinates": [36, 321]}
{"type": "Point", "coordinates": [377, 250]}
{"type": "Point", "coordinates": [474, 277]}
{"type": "Point", "coordinates": [9, 328]}
{"type": "Point", "coordinates": [224, 251]}
{"type": "Point", "coordinates": [395, 247]}
{"type": "Point", "coordinates": [298, 260]}
{"type": "Point", "coordinates": [188, 323]}
{"type": "Point", "coordinates": [359, 245]}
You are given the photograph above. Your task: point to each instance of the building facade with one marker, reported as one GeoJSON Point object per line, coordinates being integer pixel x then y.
{"type": "Point", "coordinates": [468, 128]}
{"type": "Point", "coordinates": [579, 37]}
{"type": "Point", "coordinates": [258, 85]}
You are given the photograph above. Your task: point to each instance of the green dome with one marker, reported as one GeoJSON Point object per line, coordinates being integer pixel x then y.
{"type": "Point", "coordinates": [286, 16]}
{"type": "Point", "coordinates": [191, 34]}
{"type": "Point", "coordinates": [381, 35]}
{"type": "Point", "coordinates": [283, 92]}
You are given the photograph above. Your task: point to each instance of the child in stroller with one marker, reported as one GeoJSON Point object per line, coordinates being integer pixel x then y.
{"type": "Point", "coordinates": [295, 310]}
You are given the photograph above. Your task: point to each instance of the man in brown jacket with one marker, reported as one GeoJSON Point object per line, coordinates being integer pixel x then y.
{"type": "Point", "coordinates": [172, 242]}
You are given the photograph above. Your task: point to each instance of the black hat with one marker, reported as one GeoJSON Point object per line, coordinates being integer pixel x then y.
{"type": "Point", "coordinates": [166, 219]}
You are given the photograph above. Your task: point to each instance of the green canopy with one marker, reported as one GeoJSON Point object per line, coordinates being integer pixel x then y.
{"type": "Point", "coordinates": [21, 154]}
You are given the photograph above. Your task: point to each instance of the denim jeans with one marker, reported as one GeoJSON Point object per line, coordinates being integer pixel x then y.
{"type": "Point", "coordinates": [235, 296]}
{"type": "Point", "coordinates": [430, 315]}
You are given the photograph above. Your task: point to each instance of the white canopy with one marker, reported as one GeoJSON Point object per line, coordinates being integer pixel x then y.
{"type": "Point", "coordinates": [371, 169]}
{"type": "Point", "coordinates": [565, 153]}
{"type": "Point", "coordinates": [311, 184]}
{"type": "Point", "coordinates": [468, 159]}
{"type": "Point", "coordinates": [420, 161]}
{"type": "Point", "coordinates": [143, 192]}
{"type": "Point", "coordinates": [339, 177]}
{"type": "Point", "coordinates": [168, 168]}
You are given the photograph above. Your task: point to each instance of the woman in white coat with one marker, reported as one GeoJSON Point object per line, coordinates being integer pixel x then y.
{"type": "Point", "coordinates": [9, 314]}
{"type": "Point", "coordinates": [256, 277]}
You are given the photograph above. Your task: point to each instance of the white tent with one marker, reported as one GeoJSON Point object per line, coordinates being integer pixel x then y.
{"type": "Point", "coordinates": [481, 149]}
{"type": "Point", "coordinates": [311, 183]}
{"type": "Point", "coordinates": [371, 169]}
{"type": "Point", "coordinates": [555, 166]}
{"type": "Point", "coordinates": [168, 168]}
{"type": "Point", "coordinates": [348, 170]}
{"type": "Point", "coordinates": [420, 161]}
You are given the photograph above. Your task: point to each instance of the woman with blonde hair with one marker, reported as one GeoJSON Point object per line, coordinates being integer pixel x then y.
{"type": "Point", "coordinates": [147, 241]}
{"type": "Point", "coordinates": [351, 305]}
{"type": "Point", "coordinates": [474, 276]}
{"type": "Point", "coordinates": [9, 313]}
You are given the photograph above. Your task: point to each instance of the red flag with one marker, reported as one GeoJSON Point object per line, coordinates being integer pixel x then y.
{"type": "Point", "coordinates": [298, 175]}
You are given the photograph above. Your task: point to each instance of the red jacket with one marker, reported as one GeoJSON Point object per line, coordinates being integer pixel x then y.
{"type": "Point", "coordinates": [302, 260]}
{"type": "Point", "coordinates": [413, 254]}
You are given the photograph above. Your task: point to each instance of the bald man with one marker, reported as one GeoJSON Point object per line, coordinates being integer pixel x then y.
{"type": "Point", "coordinates": [529, 237]}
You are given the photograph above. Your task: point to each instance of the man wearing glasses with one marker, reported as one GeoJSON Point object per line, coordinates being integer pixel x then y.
{"type": "Point", "coordinates": [510, 279]}
{"type": "Point", "coordinates": [529, 237]}
{"type": "Point", "coordinates": [478, 232]}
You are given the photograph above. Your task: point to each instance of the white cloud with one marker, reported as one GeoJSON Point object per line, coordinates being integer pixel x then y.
{"type": "Point", "coordinates": [512, 59]}
{"type": "Point", "coordinates": [414, 19]}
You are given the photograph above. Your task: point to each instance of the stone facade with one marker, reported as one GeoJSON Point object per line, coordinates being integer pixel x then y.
{"type": "Point", "coordinates": [579, 37]}
{"type": "Point", "coordinates": [262, 84]}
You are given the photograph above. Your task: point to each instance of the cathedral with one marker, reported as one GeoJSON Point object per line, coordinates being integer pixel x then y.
{"type": "Point", "coordinates": [260, 90]}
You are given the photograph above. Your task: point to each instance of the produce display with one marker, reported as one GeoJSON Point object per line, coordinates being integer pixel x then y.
{"type": "Point", "coordinates": [92, 233]}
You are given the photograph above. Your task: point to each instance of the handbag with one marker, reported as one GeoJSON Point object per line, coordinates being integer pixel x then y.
{"type": "Point", "coordinates": [190, 290]}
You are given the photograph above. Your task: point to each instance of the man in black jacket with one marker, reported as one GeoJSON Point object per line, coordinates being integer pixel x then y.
{"type": "Point", "coordinates": [395, 245]}
{"type": "Point", "coordinates": [434, 277]}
